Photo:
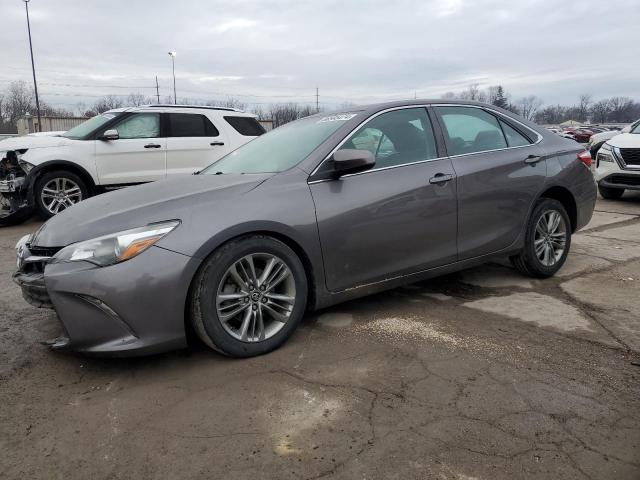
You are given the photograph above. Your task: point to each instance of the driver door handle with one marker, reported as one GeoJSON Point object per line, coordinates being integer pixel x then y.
{"type": "Point", "coordinates": [533, 159]}
{"type": "Point", "coordinates": [440, 178]}
{"type": "Point", "coordinates": [152, 145]}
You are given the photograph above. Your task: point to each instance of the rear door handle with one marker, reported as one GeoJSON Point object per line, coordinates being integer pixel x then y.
{"type": "Point", "coordinates": [216, 144]}
{"type": "Point", "coordinates": [439, 178]}
{"type": "Point", "coordinates": [533, 159]}
{"type": "Point", "coordinates": [152, 145]}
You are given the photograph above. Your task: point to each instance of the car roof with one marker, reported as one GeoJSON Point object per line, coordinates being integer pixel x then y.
{"type": "Point", "coordinates": [375, 107]}
{"type": "Point", "coordinates": [168, 107]}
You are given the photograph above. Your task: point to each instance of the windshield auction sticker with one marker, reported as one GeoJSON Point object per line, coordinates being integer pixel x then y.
{"type": "Point", "coordinates": [342, 117]}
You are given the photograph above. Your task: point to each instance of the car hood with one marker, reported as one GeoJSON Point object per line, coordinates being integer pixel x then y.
{"type": "Point", "coordinates": [626, 140]}
{"type": "Point", "coordinates": [33, 141]}
{"type": "Point", "coordinates": [140, 205]}
{"type": "Point", "coordinates": [602, 136]}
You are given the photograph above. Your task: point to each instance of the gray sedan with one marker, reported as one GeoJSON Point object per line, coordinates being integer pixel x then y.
{"type": "Point", "coordinates": [319, 211]}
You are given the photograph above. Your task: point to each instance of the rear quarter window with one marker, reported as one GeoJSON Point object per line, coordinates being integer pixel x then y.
{"type": "Point", "coordinates": [247, 126]}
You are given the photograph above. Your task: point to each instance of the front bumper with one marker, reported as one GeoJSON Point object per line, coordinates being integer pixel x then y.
{"type": "Point", "coordinates": [136, 307]}
{"type": "Point", "coordinates": [611, 174]}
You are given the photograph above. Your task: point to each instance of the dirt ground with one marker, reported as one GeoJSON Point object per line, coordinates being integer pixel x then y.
{"type": "Point", "coordinates": [479, 375]}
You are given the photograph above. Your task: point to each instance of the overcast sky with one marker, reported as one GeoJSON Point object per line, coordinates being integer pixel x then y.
{"type": "Point", "coordinates": [360, 51]}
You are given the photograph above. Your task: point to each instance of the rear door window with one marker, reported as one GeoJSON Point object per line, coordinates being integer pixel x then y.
{"type": "Point", "coordinates": [471, 130]}
{"type": "Point", "coordinates": [514, 137]}
{"type": "Point", "coordinates": [190, 125]}
{"type": "Point", "coordinates": [247, 126]}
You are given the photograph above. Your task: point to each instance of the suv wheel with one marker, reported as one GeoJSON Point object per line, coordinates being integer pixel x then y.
{"type": "Point", "coordinates": [547, 240]}
{"type": "Point", "coordinates": [249, 296]}
{"type": "Point", "coordinates": [58, 190]}
{"type": "Point", "coordinates": [610, 193]}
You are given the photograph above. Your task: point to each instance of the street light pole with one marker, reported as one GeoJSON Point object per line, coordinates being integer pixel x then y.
{"type": "Point", "coordinates": [173, 68]}
{"type": "Point", "coordinates": [33, 67]}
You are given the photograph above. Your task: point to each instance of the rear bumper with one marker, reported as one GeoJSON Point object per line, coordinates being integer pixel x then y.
{"type": "Point", "coordinates": [133, 308]}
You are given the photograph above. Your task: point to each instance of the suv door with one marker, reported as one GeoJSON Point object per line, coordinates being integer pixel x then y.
{"type": "Point", "coordinates": [499, 174]}
{"type": "Point", "coordinates": [137, 156]}
{"type": "Point", "coordinates": [396, 219]}
{"type": "Point", "coordinates": [193, 142]}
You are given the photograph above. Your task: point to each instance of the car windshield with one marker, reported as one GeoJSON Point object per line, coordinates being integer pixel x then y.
{"type": "Point", "coordinates": [85, 128]}
{"type": "Point", "coordinates": [281, 148]}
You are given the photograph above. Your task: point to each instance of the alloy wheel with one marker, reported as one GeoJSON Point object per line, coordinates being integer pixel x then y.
{"type": "Point", "coordinates": [550, 238]}
{"type": "Point", "coordinates": [60, 193]}
{"type": "Point", "coordinates": [255, 297]}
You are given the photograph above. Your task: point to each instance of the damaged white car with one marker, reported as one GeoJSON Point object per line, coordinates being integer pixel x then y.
{"type": "Point", "coordinates": [122, 147]}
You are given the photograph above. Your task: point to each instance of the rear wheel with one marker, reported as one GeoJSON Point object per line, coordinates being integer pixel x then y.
{"type": "Point", "coordinates": [58, 190]}
{"type": "Point", "coordinates": [249, 296]}
{"type": "Point", "coordinates": [547, 240]}
{"type": "Point", "coordinates": [610, 193]}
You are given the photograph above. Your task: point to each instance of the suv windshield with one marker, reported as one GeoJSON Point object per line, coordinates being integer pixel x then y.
{"type": "Point", "coordinates": [281, 148]}
{"type": "Point", "coordinates": [85, 128]}
{"type": "Point", "coordinates": [636, 128]}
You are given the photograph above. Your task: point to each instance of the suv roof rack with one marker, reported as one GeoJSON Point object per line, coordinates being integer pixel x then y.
{"type": "Point", "coordinates": [208, 107]}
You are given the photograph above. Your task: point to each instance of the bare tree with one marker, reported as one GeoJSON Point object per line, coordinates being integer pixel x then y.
{"type": "Point", "coordinates": [528, 106]}
{"type": "Point", "coordinates": [288, 112]}
{"type": "Point", "coordinates": [471, 93]}
{"type": "Point", "coordinates": [107, 103]}
{"type": "Point", "coordinates": [583, 107]}
{"type": "Point", "coordinates": [229, 102]}
{"type": "Point", "coordinates": [622, 109]}
{"type": "Point", "coordinates": [137, 99]}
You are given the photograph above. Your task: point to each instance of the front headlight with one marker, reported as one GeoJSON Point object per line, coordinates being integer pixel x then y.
{"type": "Point", "coordinates": [605, 154]}
{"type": "Point", "coordinates": [117, 247]}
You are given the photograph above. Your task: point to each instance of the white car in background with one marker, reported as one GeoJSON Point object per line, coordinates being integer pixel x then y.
{"type": "Point", "coordinates": [115, 149]}
{"type": "Point", "coordinates": [618, 164]}
{"type": "Point", "coordinates": [597, 139]}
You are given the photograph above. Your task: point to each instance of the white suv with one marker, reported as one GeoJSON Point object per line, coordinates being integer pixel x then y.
{"type": "Point", "coordinates": [618, 164]}
{"type": "Point", "coordinates": [118, 148]}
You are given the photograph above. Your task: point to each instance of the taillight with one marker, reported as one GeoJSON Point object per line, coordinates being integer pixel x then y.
{"type": "Point", "coordinates": [585, 157]}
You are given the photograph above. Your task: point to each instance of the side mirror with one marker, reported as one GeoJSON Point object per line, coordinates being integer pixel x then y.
{"type": "Point", "coordinates": [111, 134]}
{"type": "Point", "coordinates": [352, 161]}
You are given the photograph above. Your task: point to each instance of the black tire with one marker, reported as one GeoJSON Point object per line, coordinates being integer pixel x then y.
{"type": "Point", "coordinates": [41, 182]}
{"type": "Point", "coordinates": [610, 193]}
{"type": "Point", "coordinates": [203, 303]}
{"type": "Point", "coordinates": [527, 262]}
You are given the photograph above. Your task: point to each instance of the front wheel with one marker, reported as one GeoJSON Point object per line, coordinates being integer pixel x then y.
{"type": "Point", "coordinates": [249, 296]}
{"type": "Point", "coordinates": [610, 193]}
{"type": "Point", "coordinates": [547, 240]}
{"type": "Point", "coordinates": [58, 190]}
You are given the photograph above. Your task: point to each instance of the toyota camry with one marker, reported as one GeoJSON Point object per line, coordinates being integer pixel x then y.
{"type": "Point", "coordinates": [319, 211]}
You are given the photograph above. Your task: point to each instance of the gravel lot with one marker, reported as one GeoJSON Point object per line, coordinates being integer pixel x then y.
{"type": "Point", "coordinates": [479, 375]}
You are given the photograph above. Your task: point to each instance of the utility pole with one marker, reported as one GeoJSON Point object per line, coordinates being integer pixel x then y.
{"type": "Point", "coordinates": [173, 68]}
{"type": "Point", "coordinates": [317, 100]}
{"type": "Point", "coordinates": [157, 89]}
{"type": "Point", "coordinates": [33, 67]}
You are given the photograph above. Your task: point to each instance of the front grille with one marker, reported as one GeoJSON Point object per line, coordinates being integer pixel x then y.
{"type": "Point", "coordinates": [43, 251]}
{"type": "Point", "coordinates": [631, 156]}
